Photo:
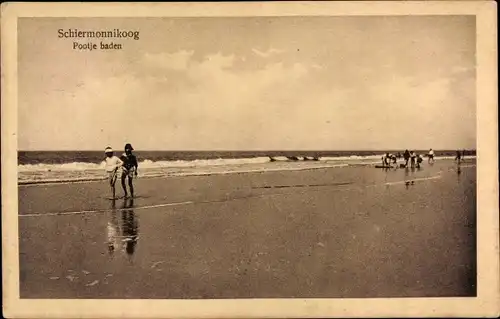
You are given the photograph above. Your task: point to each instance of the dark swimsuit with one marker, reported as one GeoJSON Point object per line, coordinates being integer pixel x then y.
{"type": "Point", "coordinates": [129, 162]}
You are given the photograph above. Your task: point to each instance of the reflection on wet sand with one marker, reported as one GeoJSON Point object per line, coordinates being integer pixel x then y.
{"type": "Point", "coordinates": [113, 229]}
{"type": "Point", "coordinates": [407, 176]}
{"type": "Point", "coordinates": [125, 231]}
{"type": "Point", "coordinates": [407, 179]}
{"type": "Point", "coordinates": [129, 226]}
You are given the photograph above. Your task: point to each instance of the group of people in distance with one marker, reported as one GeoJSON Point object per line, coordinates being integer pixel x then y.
{"type": "Point", "coordinates": [414, 159]}
{"type": "Point", "coordinates": [125, 166]}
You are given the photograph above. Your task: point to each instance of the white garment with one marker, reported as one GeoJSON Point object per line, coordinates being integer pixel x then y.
{"type": "Point", "coordinates": [112, 163]}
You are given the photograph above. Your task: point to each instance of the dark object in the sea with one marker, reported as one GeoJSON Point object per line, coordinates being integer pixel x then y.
{"type": "Point", "coordinates": [315, 158]}
{"type": "Point", "coordinates": [293, 158]}
{"type": "Point", "coordinates": [272, 159]}
{"type": "Point", "coordinates": [306, 158]}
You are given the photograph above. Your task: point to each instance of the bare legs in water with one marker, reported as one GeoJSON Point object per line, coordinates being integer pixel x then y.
{"type": "Point", "coordinates": [130, 184]}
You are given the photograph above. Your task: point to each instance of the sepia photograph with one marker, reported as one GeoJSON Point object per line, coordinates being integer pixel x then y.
{"type": "Point", "coordinates": [249, 157]}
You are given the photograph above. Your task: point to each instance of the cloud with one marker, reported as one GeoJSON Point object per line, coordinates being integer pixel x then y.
{"type": "Point", "coordinates": [462, 70]}
{"type": "Point", "coordinates": [204, 102]}
{"type": "Point", "coordinates": [211, 64]}
{"type": "Point", "coordinates": [267, 54]}
{"type": "Point", "coordinates": [175, 61]}
{"type": "Point", "coordinates": [177, 101]}
{"type": "Point", "coordinates": [427, 111]}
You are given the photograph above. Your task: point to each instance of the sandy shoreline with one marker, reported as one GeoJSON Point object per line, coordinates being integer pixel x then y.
{"type": "Point", "coordinates": [351, 232]}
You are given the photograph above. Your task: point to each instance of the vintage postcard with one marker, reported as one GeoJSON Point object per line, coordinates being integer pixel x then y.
{"type": "Point", "coordinates": [249, 160]}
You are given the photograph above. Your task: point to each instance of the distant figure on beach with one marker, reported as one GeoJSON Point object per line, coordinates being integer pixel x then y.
{"type": "Point", "coordinates": [388, 159]}
{"type": "Point", "coordinates": [419, 160]}
{"type": "Point", "coordinates": [394, 159]}
{"type": "Point", "coordinates": [413, 157]}
{"type": "Point", "coordinates": [406, 157]}
{"type": "Point", "coordinates": [113, 164]}
{"type": "Point", "coordinates": [431, 156]}
{"type": "Point", "coordinates": [130, 167]}
{"type": "Point", "coordinates": [458, 157]}
{"type": "Point", "coordinates": [385, 160]}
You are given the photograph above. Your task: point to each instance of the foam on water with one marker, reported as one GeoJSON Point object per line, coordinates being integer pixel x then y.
{"type": "Point", "coordinates": [76, 166]}
{"type": "Point", "coordinates": [82, 172]}
{"type": "Point", "coordinates": [80, 166]}
{"type": "Point", "coordinates": [352, 157]}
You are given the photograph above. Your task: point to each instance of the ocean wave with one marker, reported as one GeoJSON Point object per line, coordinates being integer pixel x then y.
{"type": "Point", "coordinates": [75, 166]}
{"type": "Point", "coordinates": [204, 162]}
{"type": "Point", "coordinates": [148, 164]}
{"type": "Point", "coordinates": [82, 166]}
{"type": "Point", "coordinates": [86, 172]}
{"type": "Point", "coordinates": [350, 158]}
{"type": "Point", "coordinates": [35, 180]}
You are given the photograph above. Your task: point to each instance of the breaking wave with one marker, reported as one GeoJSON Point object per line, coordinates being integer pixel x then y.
{"type": "Point", "coordinates": [146, 164]}
{"type": "Point", "coordinates": [84, 171]}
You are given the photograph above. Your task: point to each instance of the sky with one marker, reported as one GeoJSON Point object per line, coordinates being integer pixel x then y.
{"type": "Point", "coordinates": [250, 83]}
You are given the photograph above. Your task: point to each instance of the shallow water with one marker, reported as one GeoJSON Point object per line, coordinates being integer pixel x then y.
{"type": "Point", "coordinates": [74, 172]}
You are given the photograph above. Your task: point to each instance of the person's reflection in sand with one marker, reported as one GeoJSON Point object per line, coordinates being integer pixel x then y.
{"type": "Point", "coordinates": [129, 226]}
{"type": "Point", "coordinates": [407, 177]}
{"type": "Point", "coordinates": [112, 229]}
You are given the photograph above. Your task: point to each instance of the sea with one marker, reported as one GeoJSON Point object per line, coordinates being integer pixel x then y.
{"type": "Point", "coordinates": [38, 167]}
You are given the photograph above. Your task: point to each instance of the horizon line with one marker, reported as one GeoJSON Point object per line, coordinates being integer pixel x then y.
{"type": "Point", "coordinates": [258, 150]}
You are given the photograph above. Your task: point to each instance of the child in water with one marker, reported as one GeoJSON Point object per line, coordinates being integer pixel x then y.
{"type": "Point", "coordinates": [406, 156]}
{"type": "Point", "coordinates": [413, 157]}
{"type": "Point", "coordinates": [394, 159]}
{"type": "Point", "coordinates": [419, 160]}
{"type": "Point", "coordinates": [384, 160]}
{"type": "Point", "coordinates": [113, 164]}
{"type": "Point", "coordinates": [458, 157]}
{"type": "Point", "coordinates": [130, 167]}
{"type": "Point", "coordinates": [431, 156]}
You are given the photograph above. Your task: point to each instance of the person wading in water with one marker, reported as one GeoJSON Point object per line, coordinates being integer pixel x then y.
{"type": "Point", "coordinates": [130, 167]}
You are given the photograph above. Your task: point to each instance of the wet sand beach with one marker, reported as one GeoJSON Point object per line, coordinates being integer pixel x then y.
{"type": "Point", "coordinates": [349, 232]}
